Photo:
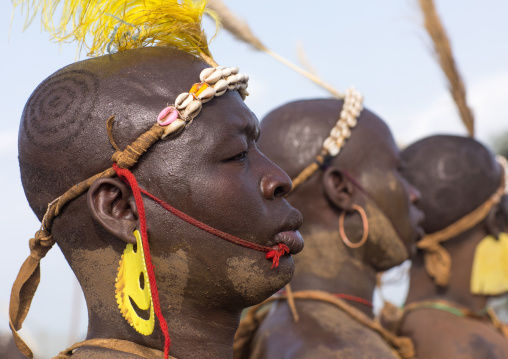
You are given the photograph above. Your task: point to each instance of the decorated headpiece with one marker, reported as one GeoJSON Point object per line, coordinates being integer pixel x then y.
{"type": "Point", "coordinates": [437, 259]}
{"type": "Point", "coordinates": [116, 26]}
{"type": "Point", "coordinates": [336, 140]}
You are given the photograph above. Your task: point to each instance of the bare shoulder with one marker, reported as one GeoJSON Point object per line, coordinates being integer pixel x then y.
{"type": "Point", "coordinates": [439, 335]}
{"type": "Point", "coordinates": [323, 331]}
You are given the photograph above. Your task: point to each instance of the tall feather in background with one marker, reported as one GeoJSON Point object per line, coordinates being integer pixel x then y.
{"type": "Point", "coordinates": [102, 26]}
{"type": "Point", "coordinates": [444, 55]}
{"type": "Point", "coordinates": [241, 30]}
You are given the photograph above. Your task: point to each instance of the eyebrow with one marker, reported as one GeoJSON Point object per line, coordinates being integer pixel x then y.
{"type": "Point", "coordinates": [251, 130]}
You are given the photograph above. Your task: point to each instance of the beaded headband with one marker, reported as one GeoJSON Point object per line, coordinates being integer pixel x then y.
{"type": "Point", "coordinates": [332, 145]}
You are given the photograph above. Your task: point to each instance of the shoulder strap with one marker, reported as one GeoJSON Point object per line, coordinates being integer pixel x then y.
{"type": "Point", "coordinates": [124, 346]}
{"type": "Point", "coordinates": [402, 345]}
{"type": "Point", "coordinates": [459, 311]}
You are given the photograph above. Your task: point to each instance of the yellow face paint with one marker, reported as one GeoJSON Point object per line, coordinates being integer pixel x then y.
{"type": "Point", "coordinates": [133, 287]}
{"type": "Point", "coordinates": [490, 266]}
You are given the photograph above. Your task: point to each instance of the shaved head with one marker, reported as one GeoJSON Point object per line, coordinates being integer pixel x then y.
{"type": "Point", "coordinates": [62, 137]}
{"type": "Point", "coordinates": [293, 134]}
{"type": "Point", "coordinates": [455, 175]}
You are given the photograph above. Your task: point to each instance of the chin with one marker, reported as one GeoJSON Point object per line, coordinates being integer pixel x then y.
{"type": "Point", "coordinates": [391, 258]}
{"type": "Point", "coordinates": [255, 282]}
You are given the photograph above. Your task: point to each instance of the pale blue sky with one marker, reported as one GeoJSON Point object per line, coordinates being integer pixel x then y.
{"type": "Point", "coordinates": [378, 47]}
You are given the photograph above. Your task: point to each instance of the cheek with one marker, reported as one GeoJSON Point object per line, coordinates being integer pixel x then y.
{"type": "Point", "coordinates": [229, 200]}
{"type": "Point", "coordinates": [391, 195]}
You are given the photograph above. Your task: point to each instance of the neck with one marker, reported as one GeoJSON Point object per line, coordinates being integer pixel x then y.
{"type": "Point", "coordinates": [461, 250]}
{"type": "Point", "coordinates": [196, 327]}
{"type": "Point", "coordinates": [325, 265]}
{"type": "Point", "coordinates": [195, 331]}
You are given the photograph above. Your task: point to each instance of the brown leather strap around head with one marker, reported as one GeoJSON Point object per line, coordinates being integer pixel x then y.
{"type": "Point", "coordinates": [119, 345]}
{"type": "Point", "coordinates": [438, 262]}
{"type": "Point", "coordinates": [403, 346]}
{"type": "Point", "coordinates": [27, 281]}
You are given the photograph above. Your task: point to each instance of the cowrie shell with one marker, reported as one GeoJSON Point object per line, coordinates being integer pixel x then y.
{"type": "Point", "coordinates": [167, 116]}
{"type": "Point", "coordinates": [232, 81]}
{"type": "Point", "coordinates": [183, 100]}
{"type": "Point", "coordinates": [192, 110]}
{"type": "Point", "coordinates": [244, 93]}
{"type": "Point", "coordinates": [220, 87]}
{"type": "Point", "coordinates": [207, 94]}
{"type": "Point", "coordinates": [335, 132]}
{"type": "Point", "coordinates": [173, 127]}
{"type": "Point", "coordinates": [210, 75]}
{"type": "Point", "coordinates": [226, 71]}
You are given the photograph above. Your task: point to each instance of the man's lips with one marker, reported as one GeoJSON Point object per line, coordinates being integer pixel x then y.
{"type": "Point", "coordinates": [292, 239]}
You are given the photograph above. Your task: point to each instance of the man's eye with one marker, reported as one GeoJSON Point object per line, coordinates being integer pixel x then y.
{"type": "Point", "coordinates": [239, 157]}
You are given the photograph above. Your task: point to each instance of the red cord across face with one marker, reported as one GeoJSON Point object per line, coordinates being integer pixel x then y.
{"type": "Point", "coordinates": [126, 176]}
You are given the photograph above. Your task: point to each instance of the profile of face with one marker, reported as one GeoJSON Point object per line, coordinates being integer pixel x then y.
{"type": "Point", "coordinates": [216, 174]}
{"type": "Point", "coordinates": [366, 173]}
{"type": "Point", "coordinates": [394, 218]}
{"type": "Point", "coordinates": [211, 171]}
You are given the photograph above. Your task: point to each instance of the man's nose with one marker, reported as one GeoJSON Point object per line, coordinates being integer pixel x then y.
{"type": "Point", "coordinates": [276, 183]}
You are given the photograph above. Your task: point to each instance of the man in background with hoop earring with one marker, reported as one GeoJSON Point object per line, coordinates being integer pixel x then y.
{"type": "Point", "coordinates": [359, 220]}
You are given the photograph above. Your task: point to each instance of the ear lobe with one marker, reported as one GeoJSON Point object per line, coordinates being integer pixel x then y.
{"type": "Point", "coordinates": [338, 188]}
{"type": "Point", "coordinates": [111, 204]}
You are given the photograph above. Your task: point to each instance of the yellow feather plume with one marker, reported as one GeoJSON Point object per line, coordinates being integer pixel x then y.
{"type": "Point", "coordinates": [103, 26]}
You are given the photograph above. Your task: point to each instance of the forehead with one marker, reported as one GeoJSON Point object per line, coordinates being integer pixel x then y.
{"type": "Point", "coordinates": [224, 118]}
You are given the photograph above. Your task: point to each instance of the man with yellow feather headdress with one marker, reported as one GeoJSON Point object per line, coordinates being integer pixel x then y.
{"type": "Point", "coordinates": [171, 219]}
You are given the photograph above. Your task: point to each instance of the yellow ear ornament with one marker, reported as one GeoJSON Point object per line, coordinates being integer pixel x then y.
{"type": "Point", "coordinates": [133, 288]}
{"type": "Point", "coordinates": [490, 266]}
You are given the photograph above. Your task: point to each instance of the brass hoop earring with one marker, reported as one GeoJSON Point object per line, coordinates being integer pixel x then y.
{"type": "Point", "coordinates": [365, 223]}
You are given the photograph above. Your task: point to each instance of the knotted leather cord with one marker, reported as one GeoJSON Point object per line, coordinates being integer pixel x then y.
{"type": "Point", "coordinates": [28, 278]}
{"type": "Point", "coordinates": [308, 171]}
{"type": "Point", "coordinates": [438, 262]}
{"type": "Point", "coordinates": [403, 346]}
{"type": "Point", "coordinates": [123, 346]}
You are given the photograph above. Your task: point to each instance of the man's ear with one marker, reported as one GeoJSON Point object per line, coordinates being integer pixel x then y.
{"type": "Point", "coordinates": [497, 219]}
{"type": "Point", "coordinates": [338, 188]}
{"type": "Point", "coordinates": [111, 203]}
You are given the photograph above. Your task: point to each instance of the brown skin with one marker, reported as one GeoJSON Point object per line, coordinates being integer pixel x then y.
{"type": "Point", "coordinates": [455, 175]}
{"type": "Point", "coordinates": [292, 136]}
{"type": "Point", "coordinates": [212, 171]}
